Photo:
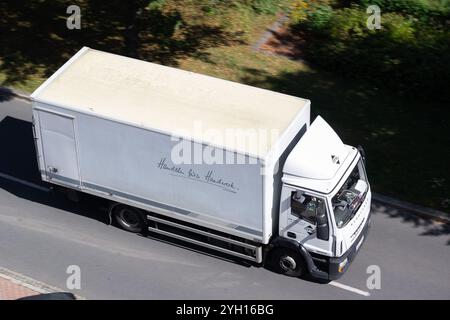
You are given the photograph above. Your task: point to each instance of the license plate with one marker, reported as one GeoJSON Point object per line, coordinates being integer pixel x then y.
{"type": "Point", "coordinates": [359, 243]}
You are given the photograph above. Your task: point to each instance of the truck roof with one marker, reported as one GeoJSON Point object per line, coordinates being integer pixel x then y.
{"type": "Point", "coordinates": [172, 101]}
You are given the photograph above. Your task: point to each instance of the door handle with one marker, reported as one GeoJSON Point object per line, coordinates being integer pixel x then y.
{"type": "Point", "coordinates": [53, 169]}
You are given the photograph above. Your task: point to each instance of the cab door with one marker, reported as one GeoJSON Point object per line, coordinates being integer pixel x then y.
{"type": "Point", "coordinates": [298, 219]}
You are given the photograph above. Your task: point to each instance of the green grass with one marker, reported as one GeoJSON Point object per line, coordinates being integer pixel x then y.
{"type": "Point", "coordinates": [29, 84]}
{"type": "Point", "coordinates": [406, 140]}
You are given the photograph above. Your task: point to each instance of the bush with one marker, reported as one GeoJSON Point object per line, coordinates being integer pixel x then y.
{"type": "Point", "coordinates": [406, 54]}
{"type": "Point", "coordinates": [424, 10]}
{"type": "Point", "coordinates": [312, 10]}
{"type": "Point", "coordinates": [320, 16]}
{"type": "Point", "coordinates": [264, 6]}
{"type": "Point", "coordinates": [258, 6]}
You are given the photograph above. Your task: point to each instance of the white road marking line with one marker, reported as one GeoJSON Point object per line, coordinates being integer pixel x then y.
{"type": "Point", "coordinates": [348, 288]}
{"type": "Point", "coordinates": [24, 182]}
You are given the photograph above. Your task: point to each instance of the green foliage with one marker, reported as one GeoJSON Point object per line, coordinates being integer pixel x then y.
{"type": "Point", "coordinates": [258, 6]}
{"type": "Point", "coordinates": [264, 6]}
{"type": "Point", "coordinates": [407, 54]}
{"type": "Point", "coordinates": [211, 6]}
{"type": "Point", "coordinates": [320, 16]}
{"type": "Point", "coordinates": [156, 4]}
{"type": "Point", "coordinates": [424, 10]}
{"type": "Point", "coordinates": [316, 11]}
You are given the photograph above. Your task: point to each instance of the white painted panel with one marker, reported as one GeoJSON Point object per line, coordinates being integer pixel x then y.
{"type": "Point", "coordinates": [59, 145]}
{"type": "Point", "coordinates": [128, 159]}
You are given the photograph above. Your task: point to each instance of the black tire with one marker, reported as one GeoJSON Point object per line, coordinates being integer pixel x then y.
{"type": "Point", "coordinates": [287, 262]}
{"type": "Point", "coordinates": [128, 218]}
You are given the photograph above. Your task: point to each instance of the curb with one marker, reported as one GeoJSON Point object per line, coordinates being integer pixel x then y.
{"type": "Point", "coordinates": [8, 92]}
{"type": "Point", "coordinates": [27, 282]}
{"type": "Point", "coordinates": [414, 208]}
{"type": "Point", "coordinates": [30, 283]}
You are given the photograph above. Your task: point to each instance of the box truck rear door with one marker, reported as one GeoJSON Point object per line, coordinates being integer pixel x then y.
{"type": "Point", "coordinates": [59, 147]}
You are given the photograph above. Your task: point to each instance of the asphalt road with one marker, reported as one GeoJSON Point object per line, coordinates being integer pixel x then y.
{"type": "Point", "coordinates": [42, 233]}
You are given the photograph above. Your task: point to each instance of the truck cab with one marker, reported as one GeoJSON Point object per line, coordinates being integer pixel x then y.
{"type": "Point", "coordinates": [324, 205]}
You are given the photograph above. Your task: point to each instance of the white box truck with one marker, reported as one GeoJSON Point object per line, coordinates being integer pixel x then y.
{"type": "Point", "coordinates": [214, 163]}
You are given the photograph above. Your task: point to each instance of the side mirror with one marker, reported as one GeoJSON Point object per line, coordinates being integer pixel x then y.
{"type": "Point", "coordinates": [322, 229]}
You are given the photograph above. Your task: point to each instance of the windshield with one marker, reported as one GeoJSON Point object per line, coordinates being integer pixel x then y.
{"type": "Point", "coordinates": [347, 200]}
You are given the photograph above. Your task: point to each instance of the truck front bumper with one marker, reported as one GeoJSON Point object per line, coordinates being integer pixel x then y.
{"type": "Point", "coordinates": [335, 270]}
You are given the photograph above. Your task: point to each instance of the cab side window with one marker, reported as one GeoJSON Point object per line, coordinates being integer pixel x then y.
{"type": "Point", "coordinates": [305, 206]}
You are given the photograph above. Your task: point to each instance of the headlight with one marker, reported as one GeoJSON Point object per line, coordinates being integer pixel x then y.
{"type": "Point", "coordinates": [342, 265]}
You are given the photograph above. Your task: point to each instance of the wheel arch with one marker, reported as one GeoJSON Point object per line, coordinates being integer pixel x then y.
{"type": "Point", "coordinates": [280, 242]}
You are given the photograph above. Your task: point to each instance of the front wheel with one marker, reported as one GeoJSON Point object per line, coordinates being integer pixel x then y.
{"type": "Point", "coordinates": [128, 218]}
{"type": "Point", "coordinates": [287, 262]}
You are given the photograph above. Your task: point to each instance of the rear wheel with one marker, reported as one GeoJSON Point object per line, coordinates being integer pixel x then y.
{"type": "Point", "coordinates": [287, 262]}
{"type": "Point", "coordinates": [128, 218]}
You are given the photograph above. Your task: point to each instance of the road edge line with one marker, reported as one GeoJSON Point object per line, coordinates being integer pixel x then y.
{"type": "Point", "coordinates": [349, 288]}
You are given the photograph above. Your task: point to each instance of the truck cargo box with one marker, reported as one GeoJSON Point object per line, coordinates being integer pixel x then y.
{"type": "Point", "coordinates": [113, 126]}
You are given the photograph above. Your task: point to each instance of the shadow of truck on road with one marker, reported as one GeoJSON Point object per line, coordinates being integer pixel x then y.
{"type": "Point", "coordinates": [19, 173]}
{"type": "Point", "coordinates": [6, 94]}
